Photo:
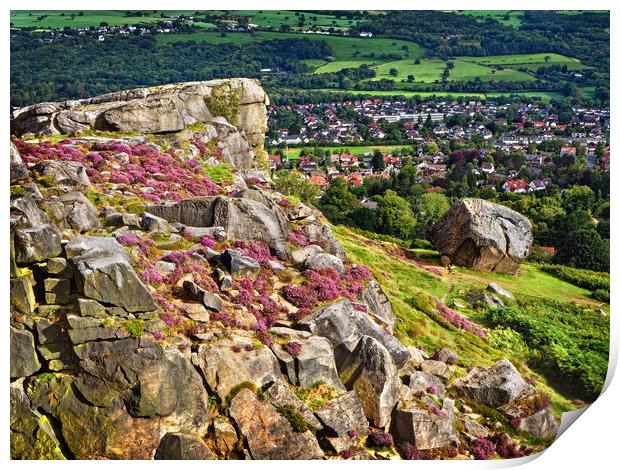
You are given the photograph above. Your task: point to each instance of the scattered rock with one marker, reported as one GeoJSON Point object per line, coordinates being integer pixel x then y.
{"type": "Point", "coordinates": [323, 233]}
{"type": "Point", "coordinates": [269, 435]}
{"type": "Point", "coordinates": [225, 437]}
{"type": "Point", "coordinates": [493, 386]}
{"type": "Point", "coordinates": [320, 261]}
{"type": "Point", "coordinates": [37, 243]}
{"type": "Point", "coordinates": [64, 172]}
{"type": "Point", "coordinates": [437, 368]}
{"type": "Point", "coordinates": [210, 300]}
{"type": "Point", "coordinates": [541, 424]}
{"type": "Point", "coordinates": [152, 223]}
{"type": "Point", "coordinates": [423, 382]}
{"type": "Point", "coordinates": [499, 290]}
{"type": "Point", "coordinates": [18, 169]}
{"type": "Point", "coordinates": [239, 265]}
{"type": "Point", "coordinates": [300, 255]}
{"type": "Point", "coordinates": [445, 355]}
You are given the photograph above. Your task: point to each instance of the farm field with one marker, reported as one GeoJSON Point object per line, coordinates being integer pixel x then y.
{"type": "Point", "coordinates": [293, 154]}
{"type": "Point", "coordinates": [277, 18]}
{"type": "Point", "coordinates": [531, 62]}
{"type": "Point", "coordinates": [512, 18]}
{"type": "Point", "coordinates": [61, 18]}
{"type": "Point", "coordinates": [464, 70]}
{"type": "Point", "coordinates": [343, 48]}
{"type": "Point", "coordinates": [427, 71]}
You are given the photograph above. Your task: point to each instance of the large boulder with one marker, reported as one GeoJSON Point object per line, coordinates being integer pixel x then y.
{"type": "Point", "coordinates": [493, 386]}
{"type": "Point", "coordinates": [541, 424]}
{"type": "Point", "coordinates": [281, 395]}
{"type": "Point", "coordinates": [372, 374]}
{"type": "Point", "coordinates": [344, 327]}
{"type": "Point", "coordinates": [269, 434]}
{"type": "Point", "coordinates": [224, 367]}
{"type": "Point", "coordinates": [483, 235]}
{"type": "Point", "coordinates": [104, 273]}
{"type": "Point", "coordinates": [241, 218]}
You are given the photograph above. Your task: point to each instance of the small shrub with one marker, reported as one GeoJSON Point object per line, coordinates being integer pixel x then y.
{"type": "Point", "coordinates": [294, 417]}
{"type": "Point", "coordinates": [379, 440]}
{"type": "Point", "coordinates": [135, 328]}
{"type": "Point", "coordinates": [483, 449]}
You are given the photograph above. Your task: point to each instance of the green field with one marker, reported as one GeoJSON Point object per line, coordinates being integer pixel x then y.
{"type": "Point", "coordinates": [506, 17]}
{"type": "Point", "coordinates": [277, 18]}
{"type": "Point", "coordinates": [343, 48]}
{"type": "Point", "coordinates": [491, 68]}
{"type": "Point", "coordinates": [61, 18]}
{"type": "Point", "coordinates": [293, 154]}
{"type": "Point", "coordinates": [422, 94]}
{"type": "Point", "coordinates": [530, 62]}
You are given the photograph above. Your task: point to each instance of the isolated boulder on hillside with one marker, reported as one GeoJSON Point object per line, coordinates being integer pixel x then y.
{"type": "Point", "coordinates": [483, 235]}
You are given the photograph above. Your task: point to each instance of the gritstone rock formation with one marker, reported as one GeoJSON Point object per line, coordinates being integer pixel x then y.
{"type": "Point", "coordinates": [483, 235]}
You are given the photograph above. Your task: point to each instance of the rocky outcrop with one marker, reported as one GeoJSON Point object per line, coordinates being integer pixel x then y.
{"type": "Point", "coordinates": [379, 306]}
{"type": "Point", "coordinates": [494, 386]}
{"type": "Point", "coordinates": [234, 110]}
{"type": "Point", "coordinates": [344, 420]}
{"type": "Point", "coordinates": [104, 273]}
{"type": "Point", "coordinates": [239, 218]}
{"type": "Point", "coordinates": [24, 360]}
{"type": "Point", "coordinates": [483, 235]}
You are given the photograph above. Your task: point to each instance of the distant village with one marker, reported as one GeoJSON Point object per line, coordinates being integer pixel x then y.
{"type": "Point", "coordinates": [429, 122]}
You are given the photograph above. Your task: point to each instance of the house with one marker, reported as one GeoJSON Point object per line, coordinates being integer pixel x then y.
{"type": "Point", "coordinates": [518, 185]}
{"type": "Point", "coordinates": [487, 167]}
{"type": "Point", "coordinates": [319, 181]}
{"type": "Point", "coordinates": [568, 151]}
{"type": "Point", "coordinates": [540, 184]}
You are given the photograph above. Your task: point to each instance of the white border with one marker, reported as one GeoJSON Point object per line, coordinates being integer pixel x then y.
{"type": "Point", "coordinates": [592, 443]}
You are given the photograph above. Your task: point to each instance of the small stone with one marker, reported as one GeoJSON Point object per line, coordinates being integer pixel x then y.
{"type": "Point", "coordinates": [499, 290]}
{"type": "Point", "coordinates": [56, 265]}
{"type": "Point", "coordinates": [178, 446]}
{"type": "Point", "coordinates": [56, 298]}
{"type": "Point", "coordinates": [57, 286]}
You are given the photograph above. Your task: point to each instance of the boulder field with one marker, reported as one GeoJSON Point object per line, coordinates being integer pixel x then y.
{"type": "Point", "coordinates": [159, 312]}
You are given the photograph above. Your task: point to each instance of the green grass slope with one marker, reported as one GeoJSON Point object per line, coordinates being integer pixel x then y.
{"type": "Point", "coordinates": [403, 279]}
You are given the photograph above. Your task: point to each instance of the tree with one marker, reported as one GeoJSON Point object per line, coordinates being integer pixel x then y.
{"type": "Point", "coordinates": [393, 72]}
{"type": "Point", "coordinates": [378, 164]}
{"type": "Point", "coordinates": [578, 198]}
{"type": "Point", "coordinates": [547, 58]}
{"type": "Point", "coordinates": [431, 148]}
{"type": "Point", "coordinates": [295, 184]}
{"type": "Point", "coordinates": [584, 249]}
{"type": "Point", "coordinates": [394, 216]}
{"type": "Point", "coordinates": [431, 206]}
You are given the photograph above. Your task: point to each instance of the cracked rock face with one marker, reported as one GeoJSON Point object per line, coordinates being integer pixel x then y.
{"type": "Point", "coordinates": [483, 235]}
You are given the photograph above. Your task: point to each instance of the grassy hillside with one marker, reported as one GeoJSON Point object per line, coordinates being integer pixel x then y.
{"type": "Point", "coordinates": [405, 278]}
{"type": "Point", "coordinates": [62, 18]}
{"type": "Point", "coordinates": [361, 50]}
